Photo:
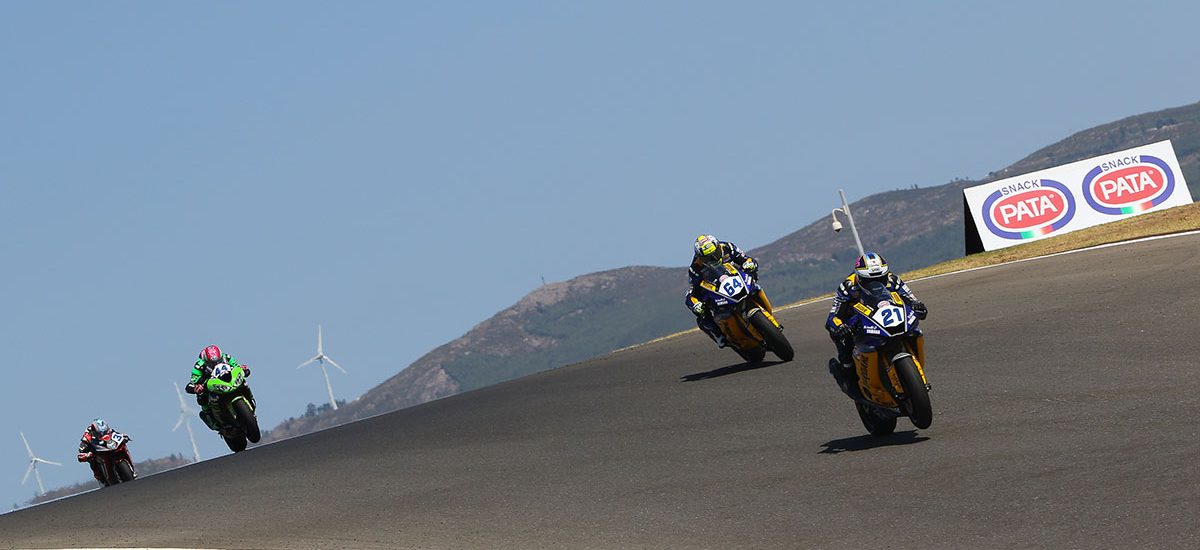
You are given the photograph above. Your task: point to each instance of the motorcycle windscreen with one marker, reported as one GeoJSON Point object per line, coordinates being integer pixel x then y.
{"type": "Point", "coordinates": [873, 292]}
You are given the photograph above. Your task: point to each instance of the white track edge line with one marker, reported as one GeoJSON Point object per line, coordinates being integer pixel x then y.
{"type": "Point", "coordinates": [961, 271]}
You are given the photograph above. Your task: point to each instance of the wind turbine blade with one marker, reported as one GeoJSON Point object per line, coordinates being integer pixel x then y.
{"type": "Point", "coordinates": [182, 403]}
{"type": "Point", "coordinates": [310, 361]}
{"type": "Point", "coordinates": [192, 438]}
{"type": "Point", "coordinates": [336, 365]}
{"type": "Point", "coordinates": [27, 449]}
{"type": "Point", "coordinates": [319, 352]}
{"type": "Point", "coordinates": [28, 471]}
{"type": "Point", "coordinates": [182, 417]}
{"type": "Point", "coordinates": [44, 461]}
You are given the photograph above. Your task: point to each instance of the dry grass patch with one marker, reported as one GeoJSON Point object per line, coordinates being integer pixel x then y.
{"type": "Point", "coordinates": [1164, 222]}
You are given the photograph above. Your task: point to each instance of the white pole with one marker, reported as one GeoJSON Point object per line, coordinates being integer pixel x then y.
{"type": "Point", "coordinates": [850, 218]}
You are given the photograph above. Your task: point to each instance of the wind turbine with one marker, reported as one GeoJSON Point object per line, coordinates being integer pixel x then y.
{"type": "Point", "coordinates": [33, 462]}
{"type": "Point", "coordinates": [320, 358]}
{"type": "Point", "coordinates": [185, 419]}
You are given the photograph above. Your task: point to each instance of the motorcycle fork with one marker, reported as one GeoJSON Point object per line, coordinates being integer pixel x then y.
{"type": "Point", "coordinates": [916, 347]}
{"type": "Point", "coordinates": [911, 348]}
{"type": "Point", "coordinates": [761, 297]}
{"type": "Point", "coordinates": [887, 371]}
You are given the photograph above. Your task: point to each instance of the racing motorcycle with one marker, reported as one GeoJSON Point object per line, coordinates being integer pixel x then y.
{"type": "Point", "coordinates": [889, 354]}
{"type": "Point", "coordinates": [742, 311]}
{"type": "Point", "coordinates": [232, 405]}
{"type": "Point", "coordinates": [110, 452]}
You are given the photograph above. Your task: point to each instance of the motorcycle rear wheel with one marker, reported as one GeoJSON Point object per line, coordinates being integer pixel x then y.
{"type": "Point", "coordinates": [875, 423]}
{"type": "Point", "coordinates": [753, 356]}
{"type": "Point", "coordinates": [236, 443]}
{"type": "Point", "coordinates": [125, 471]}
{"type": "Point", "coordinates": [246, 420]}
{"type": "Point", "coordinates": [776, 341]}
{"type": "Point", "coordinates": [916, 396]}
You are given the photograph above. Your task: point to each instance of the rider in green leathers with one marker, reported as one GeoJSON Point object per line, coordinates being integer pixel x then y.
{"type": "Point", "coordinates": [210, 357]}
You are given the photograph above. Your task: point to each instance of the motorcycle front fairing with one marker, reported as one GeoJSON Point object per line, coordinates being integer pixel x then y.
{"type": "Point", "coordinates": [881, 315]}
{"type": "Point", "coordinates": [726, 286]}
{"type": "Point", "coordinates": [109, 443]}
{"type": "Point", "coordinates": [731, 293]}
{"type": "Point", "coordinates": [884, 326]}
{"type": "Point", "coordinates": [108, 450]}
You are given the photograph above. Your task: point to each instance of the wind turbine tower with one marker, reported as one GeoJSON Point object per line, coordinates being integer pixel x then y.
{"type": "Point", "coordinates": [320, 358]}
{"type": "Point", "coordinates": [185, 419]}
{"type": "Point", "coordinates": [33, 462]}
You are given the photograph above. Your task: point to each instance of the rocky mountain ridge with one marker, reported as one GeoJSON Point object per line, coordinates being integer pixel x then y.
{"type": "Point", "coordinates": [566, 322]}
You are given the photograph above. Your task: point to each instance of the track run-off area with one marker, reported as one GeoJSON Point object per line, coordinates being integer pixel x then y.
{"type": "Point", "coordinates": [1066, 406]}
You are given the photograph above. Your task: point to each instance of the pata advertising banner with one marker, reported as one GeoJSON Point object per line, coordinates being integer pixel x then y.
{"type": "Point", "coordinates": [1073, 196]}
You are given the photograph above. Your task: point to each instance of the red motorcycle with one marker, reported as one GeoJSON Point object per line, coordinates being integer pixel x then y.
{"type": "Point", "coordinates": [111, 458]}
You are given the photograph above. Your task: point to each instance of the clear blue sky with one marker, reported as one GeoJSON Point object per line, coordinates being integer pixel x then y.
{"type": "Point", "coordinates": [177, 174]}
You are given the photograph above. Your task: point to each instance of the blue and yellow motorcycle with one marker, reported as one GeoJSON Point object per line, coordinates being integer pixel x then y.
{"type": "Point", "coordinates": [743, 312]}
{"type": "Point", "coordinates": [889, 357]}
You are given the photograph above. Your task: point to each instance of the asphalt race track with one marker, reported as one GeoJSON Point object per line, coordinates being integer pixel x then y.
{"type": "Point", "coordinates": [1066, 410]}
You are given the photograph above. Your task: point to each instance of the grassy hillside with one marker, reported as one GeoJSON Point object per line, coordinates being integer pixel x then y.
{"type": "Point", "coordinates": [566, 322]}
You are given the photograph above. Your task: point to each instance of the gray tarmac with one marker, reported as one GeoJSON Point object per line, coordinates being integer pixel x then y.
{"type": "Point", "coordinates": [1065, 404]}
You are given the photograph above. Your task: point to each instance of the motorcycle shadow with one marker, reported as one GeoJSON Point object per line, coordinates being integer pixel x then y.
{"type": "Point", "coordinates": [868, 441]}
{"type": "Point", "coordinates": [725, 371]}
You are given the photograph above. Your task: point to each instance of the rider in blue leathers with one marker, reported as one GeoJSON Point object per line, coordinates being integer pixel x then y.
{"type": "Point", "coordinates": [709, 252]}
{"type": "Point", "coordinates": [869, 267]}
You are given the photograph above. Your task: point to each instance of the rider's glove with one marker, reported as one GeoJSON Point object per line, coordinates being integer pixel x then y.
{"type": "Point", "coordinates": [84, 457]}
{"type": "Point", "coordinates": [750, 265]}
{"type": "Point", "coordinates": [842, 331]}
{"type": "Point", "coordinates": [246, 370]}
{"type": "Point", "coordinates": [196, 388]}
{"type": "Point", "coordinates": [919, 309]}
{"type": "Point", "coordinates": [698, 308]}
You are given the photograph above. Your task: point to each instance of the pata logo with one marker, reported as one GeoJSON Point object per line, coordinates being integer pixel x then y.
{"type": "Point", "coordinates": [1035, 208]}
{"type": "Point", "coordinates": [1128, 185]}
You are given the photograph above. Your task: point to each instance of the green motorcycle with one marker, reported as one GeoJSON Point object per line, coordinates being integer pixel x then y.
{"type": "Point", "coordinates": [232, 404]}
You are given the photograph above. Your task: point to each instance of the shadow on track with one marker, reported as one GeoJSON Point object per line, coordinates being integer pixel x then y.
{"type": "Point", "coordinates": [731, 369]}
{"type": "Point", "coordinates": [867, 441]}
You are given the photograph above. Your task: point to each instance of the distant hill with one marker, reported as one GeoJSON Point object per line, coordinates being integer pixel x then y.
{"type": "Point", "coordinates": [567, 322]}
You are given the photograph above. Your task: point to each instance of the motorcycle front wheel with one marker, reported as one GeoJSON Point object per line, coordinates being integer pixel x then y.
{"type": "Point", "coordinates": [776, 341]}
{"type": "Point", "coordinates": [125, 471]}
{"type": "Point", "coordinates": [246, 419]}
{"type": "Point", "coordinates": [236, 443]}
{"type": "Point", "coordinates": [916, 396]}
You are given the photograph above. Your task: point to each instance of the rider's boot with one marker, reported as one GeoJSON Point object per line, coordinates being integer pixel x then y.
{"type": "Point", "coordinates": [846, 377]}
{"type": "Point", "coordinates": [209, 421]}
{"type": "Point", "coordinates": [710, 328]}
